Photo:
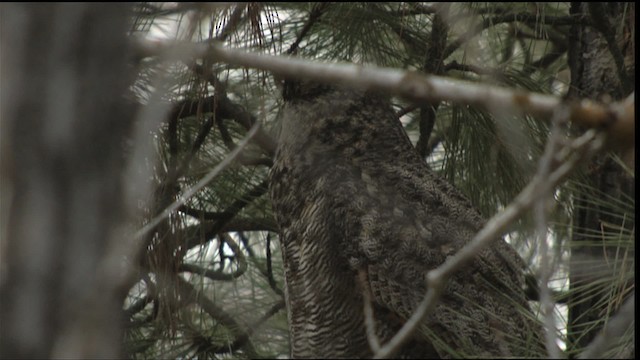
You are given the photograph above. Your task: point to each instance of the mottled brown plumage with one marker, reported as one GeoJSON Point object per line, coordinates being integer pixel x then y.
{"type": "Point", "coordinates": [351, 194]}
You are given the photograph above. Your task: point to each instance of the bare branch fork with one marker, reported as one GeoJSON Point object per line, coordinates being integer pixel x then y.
{"type": "Point", "coordinates": [617, 118]}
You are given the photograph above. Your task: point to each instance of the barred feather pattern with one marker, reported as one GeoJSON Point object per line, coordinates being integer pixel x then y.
{"type": "Point", "coordinates": [350, 194]}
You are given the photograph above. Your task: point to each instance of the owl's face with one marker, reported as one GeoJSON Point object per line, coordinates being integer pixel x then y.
{"type": "Point", "coordinates": [313, 113]}
{"type": "Point", "coordinates": [333, 120]}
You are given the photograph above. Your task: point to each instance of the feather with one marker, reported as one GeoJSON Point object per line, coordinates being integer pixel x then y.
{"type": "Point", "coordinates": [351, 194]}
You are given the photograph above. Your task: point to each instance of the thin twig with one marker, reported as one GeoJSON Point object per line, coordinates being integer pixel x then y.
{"type": "Point", "coordinates": [239, 258]}
{"type": "Point", "coordinates": [202, 183]}
{"type": "Point", "coordinates": [245, 241]}
{"type": "Point", "coordinates": [433, 64]}
{"type": "Point", "coordinates": [270, 278]}
{"type": "Point", "coordinates": [235, 223]}
{"type": "Point", "coordinates": [234, 20]}
{"type": "Point", "coordinates": [406, 110]}
{"type": "Point", "coordinates": [197, 144]}
{"type": "Point", "coordinates": [274, 309]}
{"type": "Point", "coordinates": [138, 306]}
{"type": "Point", "coordinates": [314, 15]}
{"type": "Point", "coordinates": [369, 319]}
{"type": "Point", "coordinates": [265, 272]}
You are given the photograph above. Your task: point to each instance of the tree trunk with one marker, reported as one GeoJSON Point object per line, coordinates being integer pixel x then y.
{"type": "Point", "coordinates": [64, 74]}
{"type": "Point", "coordinates": [600, 59]}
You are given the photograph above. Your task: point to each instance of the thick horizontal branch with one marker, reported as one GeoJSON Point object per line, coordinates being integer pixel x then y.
{"type": "Point", "coordinates": [617, 118]}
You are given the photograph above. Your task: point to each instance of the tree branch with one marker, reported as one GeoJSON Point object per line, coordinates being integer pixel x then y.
{"type": "Point", "coordinates": [405, 111]}
{"type": "Point", "coordinates": [208, 273]}
{"type": "Point", "coordinates": [433, 64]}
{"type": "Point", "coordinates": [314, 15]}
{"type": "Point", "coordinates": [526, 18]}
{"type": "Point", "coordinates": [223, 219]}
{"type": "Point", "coordinates": [176, 171]}
{"type": "Point", "coordinates": [187, 291]}
{"type": "Point", "coordinates": [617, 118]}
{"type": "Point", "coordinates": [540, 206]}
{"type": "Point", "coordinates": [369, 320]}
{"type": "Point", "coordinates": [235, 207]}
{"type": "Point", "coordinates": [138, 306]}
{"type": "Point", "coordinates": [235, 224]}
{"type": "Point", "coordinates": [220, 275]}
{"type": "Point", "coordinates": [202, 183]}
{"type": "Point", "coordinates": [223, 108]}
{"type": "Point", "coordinates": [269, 274]}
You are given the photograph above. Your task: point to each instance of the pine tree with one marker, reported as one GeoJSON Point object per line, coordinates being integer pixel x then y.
{"type": "Point", "coordinates": [197, 245]}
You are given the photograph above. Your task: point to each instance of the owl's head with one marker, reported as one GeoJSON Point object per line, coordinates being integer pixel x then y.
{"type": "Point", "coordinates": [304, 90]}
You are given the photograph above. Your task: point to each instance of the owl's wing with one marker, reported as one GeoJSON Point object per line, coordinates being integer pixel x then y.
{"type": "Point", "coordinates": [483, 311]}
{"type": "Point", "coordinates": [478, 315]}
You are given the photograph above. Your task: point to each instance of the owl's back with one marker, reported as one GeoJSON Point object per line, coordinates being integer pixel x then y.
{"type": "Point", "coordinates": [352, 196]}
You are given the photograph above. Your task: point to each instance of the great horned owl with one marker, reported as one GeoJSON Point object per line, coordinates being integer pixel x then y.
{"type": "Point", "coordinates": [351, 195]}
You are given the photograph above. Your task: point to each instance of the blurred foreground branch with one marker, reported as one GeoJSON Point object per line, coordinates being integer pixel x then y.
{"type": "Point", "coordinates": [204, 181]}
{"type": "Point", "coordinates": [615, 329]}
{"type": "Point", "coordinates": [617, 119]}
